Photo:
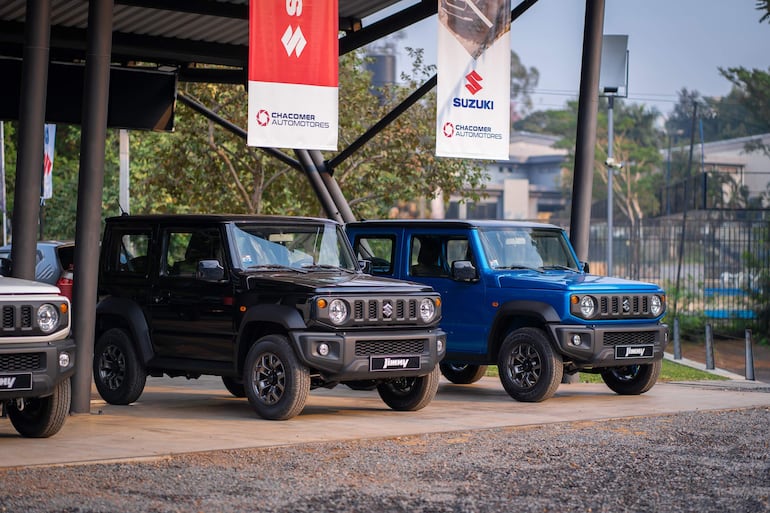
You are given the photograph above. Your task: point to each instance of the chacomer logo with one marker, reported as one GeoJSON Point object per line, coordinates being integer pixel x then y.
{"type": "Point", "coordinates": [293, 41]}
{"type": "Point", "coordinates": [474, 80]}
{"type": "Point", "coordinates": [448, 129]}
{"type": "Point", "coordinates": [263, 117]}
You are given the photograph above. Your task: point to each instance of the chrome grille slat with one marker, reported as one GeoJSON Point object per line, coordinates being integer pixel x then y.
{"type": "Point", "coordinates": [619, 306]}
{"type": "Point", "coordinates": [372, 310]}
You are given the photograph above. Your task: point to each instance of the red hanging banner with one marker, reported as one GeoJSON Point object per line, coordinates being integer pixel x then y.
{"type": "Point", "coordinates": [293, 74]}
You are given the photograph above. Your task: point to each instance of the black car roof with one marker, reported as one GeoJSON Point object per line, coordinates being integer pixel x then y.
{"type": "Point", "coordinates": [452, 223]}
{"type": "Point", "coordinates": [211, 218]}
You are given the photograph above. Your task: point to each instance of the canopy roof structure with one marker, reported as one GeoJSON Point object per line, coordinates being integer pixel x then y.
{"type": "Point", "coordinates": [184, 34]}
{"type": "Point", "coordinates": [203, 41]}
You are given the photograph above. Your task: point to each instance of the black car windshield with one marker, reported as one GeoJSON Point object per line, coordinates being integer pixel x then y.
{"type": "Point", "coordinates": [297, 246]}
{"type": "Point", "coordinates": [527, 248]}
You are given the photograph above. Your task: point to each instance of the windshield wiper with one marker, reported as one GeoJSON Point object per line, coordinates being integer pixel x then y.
{"type": "Point", "coordinates": [516, 267]}
{"type": "Point", "coordinates": [326, 267]}
{"type": "Point", "coordinates": [560, 267]}
{"type": "Point", "coordinates": [275, 267]}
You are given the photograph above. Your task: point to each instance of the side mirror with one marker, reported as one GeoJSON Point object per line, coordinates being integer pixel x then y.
{"type": "Point", "coordinates": [463, 270]}
{"type": "Point", "coordinates": [210, 270]}
{"type": "Point", "coordinates": [584, 265]}
{"type": "Point", "coordinates": [366, 266]}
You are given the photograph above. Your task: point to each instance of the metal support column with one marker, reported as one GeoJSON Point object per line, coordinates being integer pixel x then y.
{"type": "Point", "coordinates": [93, 139]}
{"type": "Point", "coordinates": [309, 167]}
{"type": "Point", "coordinates": [332, 186]}
{"type": "Point", "coordinates": [588, 107]}
{"type": "Point", "coordinates": [29, 165]}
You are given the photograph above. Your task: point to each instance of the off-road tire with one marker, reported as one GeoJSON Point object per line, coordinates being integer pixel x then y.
{"type": "Point", "coordinates": [530, 370]}
{"type": "Point", "coordinates": [118, 373]}
{"type": "Point", "coordinates": [276, 382]}
{"type": "Point", "coordinates": [632, 379]}
{"type": "Point", "coordinates": [234, 386]}
{"type": "Point", "coordinates": [41, 417]}
{"type": "Point", "coordinates": [409, 394]}
{"type": "Point", "coordinates": [462, 374]}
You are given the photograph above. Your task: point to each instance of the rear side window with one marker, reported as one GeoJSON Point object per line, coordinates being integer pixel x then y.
{"type": "Point", "coordinates": [129, 253]}
{"type": "Point", "coordinates": [379, 251]}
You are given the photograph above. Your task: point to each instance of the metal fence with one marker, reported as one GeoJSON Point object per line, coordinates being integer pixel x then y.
{"type": "Point", "coordinates": [712, 265]}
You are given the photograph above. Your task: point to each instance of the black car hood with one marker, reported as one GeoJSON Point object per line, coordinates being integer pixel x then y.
{"type": "Point", "coordinates": [328, 282]}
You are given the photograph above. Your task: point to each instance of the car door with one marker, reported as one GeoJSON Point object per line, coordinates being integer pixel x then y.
{"type": "Point", "coordinates": [192, 318]}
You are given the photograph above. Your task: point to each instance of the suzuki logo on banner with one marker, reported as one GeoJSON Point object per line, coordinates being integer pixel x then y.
{"type": "Point", "coordinates": [473, 84]}
{"type": "Point", "coordinates": [293, 41]}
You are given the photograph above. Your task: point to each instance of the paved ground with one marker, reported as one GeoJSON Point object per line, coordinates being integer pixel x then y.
{"type": "Point", "coordinates": [176, 416]}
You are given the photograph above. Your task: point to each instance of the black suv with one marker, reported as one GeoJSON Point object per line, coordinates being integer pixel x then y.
{"type": "Point", "coordinates": [276, 306]}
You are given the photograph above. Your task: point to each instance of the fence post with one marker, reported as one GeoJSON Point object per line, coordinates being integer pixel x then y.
{"type": "Point", "coordinates": [709, 347]}
{"type": "Point", "coordinates": [677, 343]}
{"type": "Point", "coordinates": [749, 357]}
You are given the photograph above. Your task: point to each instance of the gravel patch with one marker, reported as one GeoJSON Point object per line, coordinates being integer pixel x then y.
{"type": "Point", "coordinates": [690, 462]}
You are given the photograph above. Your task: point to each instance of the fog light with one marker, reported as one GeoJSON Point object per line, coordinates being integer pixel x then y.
{"type": "Point", "coordinates": [576, 340]}
{"type": "Point", "coordinates": [440, 345]}
{"type": "Point", "coordinates": [323, 349]}
{"type": "Point", "coordinates": [64, 360]}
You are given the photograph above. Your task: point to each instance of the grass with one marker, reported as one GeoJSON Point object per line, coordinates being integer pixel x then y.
{"type": "Point", "coordinates": [671, 371]}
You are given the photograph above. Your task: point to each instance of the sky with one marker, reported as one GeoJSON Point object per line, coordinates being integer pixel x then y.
{"type": "Point", "coordinates": [671, 43]}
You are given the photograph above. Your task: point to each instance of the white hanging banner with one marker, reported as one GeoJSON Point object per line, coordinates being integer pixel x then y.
{"type": "Point", "coordinates": [49, 135]}
{"type": "Point", "coordinates": [474, 79]}
{"type": "Point", "coordinates": [293, 74]}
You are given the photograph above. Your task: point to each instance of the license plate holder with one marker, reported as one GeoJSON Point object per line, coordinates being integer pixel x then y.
{"type": "Point", "coordinates": [17, 381]}
{"type": "Point", "coordinates": [636, 351]}
{"type": "Point", "coordinates": [394, 363]}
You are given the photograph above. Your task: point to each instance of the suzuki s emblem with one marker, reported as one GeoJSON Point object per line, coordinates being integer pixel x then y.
{"type": "Point", "coordinates": [474, 79]}
{"type": "Point", "coordinates": [387, 309]}
{"type": "Point", "coordinates": [626, 305]}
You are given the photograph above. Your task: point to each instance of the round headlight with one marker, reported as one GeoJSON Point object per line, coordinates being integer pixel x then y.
{"type": "Point", "coordinates": [427, 309]}
{"type": "Point", "coordinates": [47, 318]}
{"type": "Point", "coordinates": [338, 311]}
{"type": "Point", "coordinates": [656, 305]}
{"type": "Point", "coordinates": [587, 306]}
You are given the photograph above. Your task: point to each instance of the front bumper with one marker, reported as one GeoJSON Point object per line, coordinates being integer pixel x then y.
{"type": "Point", "coordinates": [371, 354]}
{"type": "Point", "coordinates": [610, 346]}
{"type": "Point", "coordinates": [32, 369]}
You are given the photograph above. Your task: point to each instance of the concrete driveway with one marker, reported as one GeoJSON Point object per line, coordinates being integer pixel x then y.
{"type": "Point", "coordinates": [177, 416]}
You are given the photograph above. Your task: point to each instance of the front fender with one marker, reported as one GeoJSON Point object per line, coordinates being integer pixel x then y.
{"type": "Point", "coordinates": [519, 313]}
{"type": "Point", "coordinates": [254, 322]}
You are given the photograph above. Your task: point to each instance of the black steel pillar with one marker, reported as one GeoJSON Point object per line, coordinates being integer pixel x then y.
{"type": "Point", "coordinates": [332, 187]}
{"type": "Point", "coordinates": [29, 165]}
{"type": "Point", "coordinates": [90, 184]}
{"type": "Point", "coordinates": [314, 177]}
{"type": "Point", "coordinates": [588, 107]}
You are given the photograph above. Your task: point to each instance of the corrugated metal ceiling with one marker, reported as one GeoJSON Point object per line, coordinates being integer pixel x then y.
{"type": "Point", "coordinates": [162, 31]}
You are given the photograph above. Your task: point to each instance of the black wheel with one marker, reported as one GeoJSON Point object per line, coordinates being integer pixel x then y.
{"type": "Point", "coordinates": [530, 370]}
{"type": "Point", "coordinates": [409, 394]}
{"type": "Point", "coordinates": [632, 379]}
{"type": "Point", "coordinates": [41, 417]}
{"type": "Point", "coordinates": [276, 383]}
{"type": "Point", "coordinates": [234, 386]}
{"type": "Point", "coordinates": [118, 373]}
{"type": "Point", "coordinates": [461, 374]}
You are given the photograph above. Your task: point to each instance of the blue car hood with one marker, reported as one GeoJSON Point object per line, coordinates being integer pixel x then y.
{"type": "Point", "coordinates": [576, 282]}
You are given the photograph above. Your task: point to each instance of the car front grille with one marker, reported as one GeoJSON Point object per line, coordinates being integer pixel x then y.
{"type": "Point", "coordinates": [622, 338]}
{"type": "Point", "coordinates": [624, 306]}
{"type": "Point", "coordinates": [22, 362]}
{"type": "Point", "coordinates": [391, 347]}
{"type": "Point", "coordinates": [16, 317]}
{"type": "Point", "coordinates": [379, 310]}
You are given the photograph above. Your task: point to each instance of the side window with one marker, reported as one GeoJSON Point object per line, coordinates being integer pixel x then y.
{"type": "Point", "coordinates": [428, 256]}
{"type": "Point", "coordinates": [185, 248]}
{"type": "Point", "coordinates": [131, 254]}
{"type": "Point", "coordinates": [458, 249]}
{"type": "Point", "coordinates": [379, 251]}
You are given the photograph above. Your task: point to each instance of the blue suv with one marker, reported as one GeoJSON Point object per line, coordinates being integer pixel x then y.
{"type": "Point", "coordinates": [515, 295]}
